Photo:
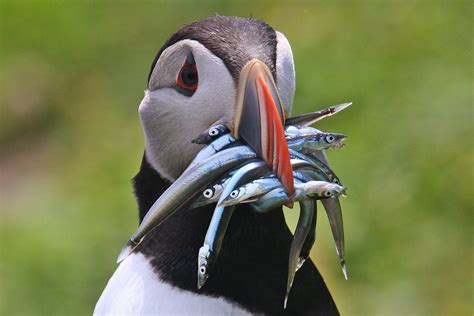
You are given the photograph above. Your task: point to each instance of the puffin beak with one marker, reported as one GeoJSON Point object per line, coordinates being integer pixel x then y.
{"type": "Point", "coordinates": [259, 119]}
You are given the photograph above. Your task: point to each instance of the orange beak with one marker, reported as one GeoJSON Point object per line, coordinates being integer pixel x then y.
{"type": "Point", "coordinates": [259, 120]}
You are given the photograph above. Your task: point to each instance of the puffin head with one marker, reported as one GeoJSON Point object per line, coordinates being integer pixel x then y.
{"type": "Point", "coordinates": [238, 70]}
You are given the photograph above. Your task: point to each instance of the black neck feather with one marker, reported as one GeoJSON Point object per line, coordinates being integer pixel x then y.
{"type": "Point", "coordinates": [252, 267]}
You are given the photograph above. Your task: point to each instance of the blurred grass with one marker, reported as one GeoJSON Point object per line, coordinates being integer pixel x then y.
{"type": "Point", "coordinates": [72, 76]}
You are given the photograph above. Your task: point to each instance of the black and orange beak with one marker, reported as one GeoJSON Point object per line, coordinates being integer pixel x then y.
{"type": "Point", "coordinates": [259, 120]}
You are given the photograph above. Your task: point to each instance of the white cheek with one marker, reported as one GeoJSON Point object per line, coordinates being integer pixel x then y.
{"type": "Point", "coordinates": [216, 93]}
{"type": "Point", "coordinates": [171, 120]}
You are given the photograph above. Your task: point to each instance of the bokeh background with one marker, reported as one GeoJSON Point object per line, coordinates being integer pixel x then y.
{"type": "Point", "coordinates": [73, 74]}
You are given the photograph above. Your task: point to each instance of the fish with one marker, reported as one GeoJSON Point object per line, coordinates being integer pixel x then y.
{"type": "Point", "coordinates": [317, 164]}
{"type": "Point", "coordinates": [317, 190]}
{"type": "Point", "coordinates": [333, 210]}
{"type": "Point", "coordinates": [210, 250]}
{"type": "Point", "coordinates": [292, 131]}
{"type": "Point", "coordinates": [216, 130]}
{"type": "Point", "coordinates": [313, 117]}
{"type": "Point", "coordinates": [310, 239]}
{"type": "Point", "coordinates": [303, 191]}
{"type": "Point", "coordinates": [315, 141]}
{"type": "Point", "coordinates": [210, 150]}
{"type": "Point", "coordinates": [307, 212]}
{"type": "Point", "coordinates": [271, 200]}
{"type": "Point", "coordinates": [185, 188]}
{"type": "Point", "coordinates": [334, 214]}
{"type": "Point", "coordinates": [250, 191]}
{"type": "Point", "coordinates": [213, 192]}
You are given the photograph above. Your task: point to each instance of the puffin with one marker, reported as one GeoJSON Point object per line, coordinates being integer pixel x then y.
{"type": "Point", "coordinates": [194, 81]}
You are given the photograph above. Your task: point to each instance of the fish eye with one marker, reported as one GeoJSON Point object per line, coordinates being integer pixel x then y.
{"type": "Point", "coordinates": [327, 193]}
{"type": "Point", "coordinates": [208, 193]}
{"type": "Point", "coordinates": [234, 194]}
{"type": "Point", "coordinates": [330, 138]}
{"type": "Point", "coordinates": [213, 132]}
{"type": "Point", "coordinates": [202, 270]}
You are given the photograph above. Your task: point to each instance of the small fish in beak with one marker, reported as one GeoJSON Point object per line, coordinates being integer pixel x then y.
{"type": "Point", "coordinates": [252, 190]}
{"type": "Point", "coordinates": [210, 250]}
{"type": "Point", "coordinates": [212, 133]}
{"type": "Point", "coordinates": [308, 119]}
{"type": "Point", "coordinates": [185, 188]}
{"type": "Point", "coordinates": [213, 192]}
{"type": "Point", "coordinates": [303, 228]}
{"type": "Point", "coordinates": [315, 141]}
{"type": "Point", "coordinates": [254, 160]}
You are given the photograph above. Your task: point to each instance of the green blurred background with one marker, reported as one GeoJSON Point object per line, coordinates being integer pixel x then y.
{"type": "Point", "coordinates": [73, 74]}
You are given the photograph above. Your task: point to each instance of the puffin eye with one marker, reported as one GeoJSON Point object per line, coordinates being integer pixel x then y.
{"type": "Point", "coordinates": [187, 80]}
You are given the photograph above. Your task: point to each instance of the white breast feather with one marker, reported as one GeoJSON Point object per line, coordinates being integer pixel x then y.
{"type": "Point", "coordinates": [135, 289]}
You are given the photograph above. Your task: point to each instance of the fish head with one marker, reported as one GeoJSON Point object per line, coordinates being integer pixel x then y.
{"type": "Point", "coordinates": [234, 197]}
{"type": "Point", "coordinates": [333, 140]}
{"type": "Point", "coordinates": [204, 265]}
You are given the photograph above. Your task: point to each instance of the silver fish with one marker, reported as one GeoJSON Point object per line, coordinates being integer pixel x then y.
{"type": "Point", "coordinates": [310, 239]}
{"type": "Point", "coordinates": [250, 191]}
{"type": "Point", "coordinates": [210, 250]}
{"type": "Point", "coordinates": [334, 214]}
{"type": "Point", "coordinates": [320, 154]}
{"type": "Point", "coordinates": [315, 141]}
{"type": "Point", "coordinates": [311, 118]}
{"type": "Point", "coordinates": [216, 130]}
{"type": "Point", "coordinates": [292, 131]}
{"type": "Point", "coordinates": [303, 191]}
{"type": "Point", "coordinates": [278, 197]}
{"type": "Point", "coordinates": [211, 134]}
{"type": "Point", "coordinates": [185, 188]}
{"type": "Point", "coordinates": [212, 193]}
{"type": "Point", "coordinates": [210, 150]}
{"type": "Point", "coordinates": [317, 190]}
{"type": "Point", "coordinates": [318, 164]}
{"type": "Point", "coordinates": [307, 212]}
{"type": "Point", "coordinates": [271, 200]}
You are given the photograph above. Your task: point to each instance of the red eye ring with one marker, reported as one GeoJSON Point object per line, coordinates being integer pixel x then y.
{"type": "Point", "coordinates": [187, 79]}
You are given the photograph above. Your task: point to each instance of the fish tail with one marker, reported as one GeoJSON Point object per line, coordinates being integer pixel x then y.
{"type": "Point", "coordinates": [288, 289]}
